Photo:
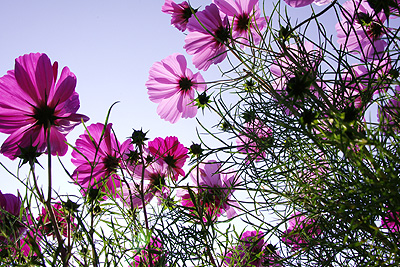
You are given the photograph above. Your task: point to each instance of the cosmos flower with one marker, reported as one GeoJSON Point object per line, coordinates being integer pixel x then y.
{"type": "Point", "coordinates": [300, 230]}
{"type": "Point", "coordinates": [252, 251]}
{"type": "Point", "coordinates": [180, 13]}
{"type": "Point", "coordinates": [154, 248]}
{"type": "Point", "coordinates": [391, 221]}
{"type": "Point", "coordinates": [295, 72]}
{"type": "Point", "coordinates": [155, 182]}
{"type": "Point", "coordinates": [301, 3]}
{"type": "Point", "coordinates": [213, 190]}
{"type": "Point", "coordinates": [251, 141]}
{"type": "Point", "coordinates": [30, 243]}
{"type": "Point", "coordinates": [171, 151]}
{"type": "Point", "coordinates": [172, 85]}
{"type": "Point", "coordinates": [97, 158]}
{"type": "Point", "coordinates": [245, 18]}
{"type": "Point", "coordinates": [62, 217]}
{"type": "Point", "coordinates": [207, 45]}
{"type": "Point", "coordinates": [155, 178]}
{"type": "Point", "coordinates": [361, 30]}
{"type": "Point", "coordinates": [32, 101]}
{"type": "Point", "coordinates": [12, 226]}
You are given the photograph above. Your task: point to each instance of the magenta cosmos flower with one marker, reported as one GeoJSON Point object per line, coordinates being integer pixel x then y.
{"type": "Point", "coordinates": [301, 3]}
{"type": "Point", "coordinates": [252, 251]}
{"type": "Point", "coordinates": [172, 85]}
{"type": "Point", "coordinates": [213, 190]}
{"type": "Point", "coordinates": [391, 221]}
{"type": "Point", "coordinates": [171, 151]}
{"type": "Point", "coordinates": [251, 141]}
{"type": "Point", "coordinates": [65, 221]}
{"type": "Point", "coordinates": [207, 45]}
{"type": "Point", "coordinates": [97, 158]}
{"type": "Point", "coordinates": [31, 240]}
{"type": "Point", "coordinates": [245, 18]}
{"type": "Point", "coordinates": [361, 29]}
{"type": "Point", "coordinates": [180, 13]}
{"type": "Point", "coordinates": [32, 101]}
{"type": "Point", "coordinates": [12, 226]}
{"type": "Point", "coordinates": [301, 230]}
{"type": "Point", "coordinates": [154, 248]}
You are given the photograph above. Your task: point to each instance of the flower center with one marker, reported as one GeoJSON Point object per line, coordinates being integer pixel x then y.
{"type": "Point", "coordinates": [185, 84]}
{"type": "Point", "coordinates": [44, 116]}
{"type": "Point", "coordinates": [111, 163]}
{"type": "Point", "coordinates": [170, 160]}
{"type": "Point", "coordinates": [242, 22]}
{"type": "Point", "coordinates": [211, 197]}
{"type": "Point", "coordinates": [157, 180]}
{"type": "Point", "coordinates": [221, 35]}
{"type": "Point", "coordinates": [374, 29]}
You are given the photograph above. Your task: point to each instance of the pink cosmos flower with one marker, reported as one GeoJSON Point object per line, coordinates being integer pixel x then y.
{"type": "Point", "coordinates": [361, 29]}
{"type": "Point", "coordinates": [32, 101]}
{"type": "Point", "coordinates": [154, 248]}
{"type": "Point", "coordinates": [252, 251]}
{"type": "Point", "coordinates": [300, 230]}
{"type": "Point", "coordinates": [97, 158]}
{"type": "Point", "coordinates": [388, 115]}
{"type": "Point", "coordinates": [245, 18]}
{"type": "Point", "coordinates": [213, 190]}
{"type": "Point", "coordinates": [171, 151]}
{"type": "Point", "coordinates": [155, 179]}
{"type": "Point", "coordinates": [250, 142]}
{"type": "Point", "coordinates": [62, 217]}
{"type": "Point", "coordinates": [295, 73]}
{"type": "Point", "coordinates": [391, 221]}
{"type": "Point", "coordinates": [207, 45]}
{"type": "Point", "coordinates": [12, 226]}
{"type": "Point", "coordinates": [172, 85]}
{"type": "Point", "coordinates": [301, 3]}
{"type": "Point", "coordinates": [180, 13]}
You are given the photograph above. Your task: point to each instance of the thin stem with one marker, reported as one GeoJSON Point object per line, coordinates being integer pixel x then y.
{"type": "Point", "coordinates": [49, 207]}
{"type": "Point", "coordinates": [142, 197]}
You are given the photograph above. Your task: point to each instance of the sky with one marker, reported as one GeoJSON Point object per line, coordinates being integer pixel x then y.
{"type": "Point", "coordinates": [110, 47]}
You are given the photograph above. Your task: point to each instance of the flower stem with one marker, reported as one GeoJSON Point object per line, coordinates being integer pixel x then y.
{"type": "Point", "coordinates": [142, 197]}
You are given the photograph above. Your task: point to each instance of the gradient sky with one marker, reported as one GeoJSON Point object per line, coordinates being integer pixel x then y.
{"type": "Point", "coordinates": [110, 47]}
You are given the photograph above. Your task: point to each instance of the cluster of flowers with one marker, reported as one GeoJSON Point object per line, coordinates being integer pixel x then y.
{"type": "Point", "coordinates": [171, 83]}
{"type": "Point", "coordinates": [38, 111]}
{"type": "Point", "coordinates": [223, 24]}
{"type": "Point", "coordinates": [19, 231]}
